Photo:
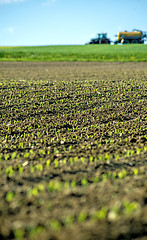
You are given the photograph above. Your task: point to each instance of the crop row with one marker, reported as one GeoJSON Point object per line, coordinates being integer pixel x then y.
{"type": "Point", "coordinates": [72, 152]}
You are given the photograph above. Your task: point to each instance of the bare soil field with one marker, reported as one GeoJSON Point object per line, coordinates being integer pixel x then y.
{"type": "Point", "coordinates": [73, 150]}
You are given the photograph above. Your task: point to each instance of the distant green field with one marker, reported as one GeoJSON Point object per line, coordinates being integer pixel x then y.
{"type": "Point", "coordinates": [126, 53]}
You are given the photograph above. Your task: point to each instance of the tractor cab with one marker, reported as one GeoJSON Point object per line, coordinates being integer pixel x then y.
{"type": "Point", "coordinates": [102, 35]}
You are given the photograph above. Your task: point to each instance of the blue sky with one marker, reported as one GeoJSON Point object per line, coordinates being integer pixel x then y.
{"type": "Point", "coordinates": [54, 22]}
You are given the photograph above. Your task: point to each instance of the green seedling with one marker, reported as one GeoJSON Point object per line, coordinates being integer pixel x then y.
{"type": "Point", "coordinates": [26, 155]}
{"type": "Point", "coordinates": [13, 155]}
{"type": "Point", "coordinates": [9, 171]}
{"type": "Point", "coordinates": [82, 159]}
{"type": "Point", "coordinates": [135, 171]}
{"type": "Point", "coordinates": [84, 182]}
{"type": "Point", "coordinates": [122, 174]}
{"type": "Point", "coordinates": [48, 163]}
{"type": "Point", "coordinates": [6, 156]}
{"type": "Point", "coordinates": [82, 217]}
{"type": "Point", "coordinates": [56, 163]}
{"type": "Point", "coordinates": [130, 207]}
{"type": "Point", "coordinates": [19, 234]}
{"type": "Point", "coordinates": [54, 186]}
{"type": "Point", "coordinates": [101, 214]}
{"type": "Point", "coordinates": [39, 167]}
{"type": "Point", "coordinates": [69, 220]}
{"type": "Point", "coordinates": [20, 168]}
{"type": "Point", "coordinates": [55, 224]}
{"type": "Point", "coordinates": [10, 196]}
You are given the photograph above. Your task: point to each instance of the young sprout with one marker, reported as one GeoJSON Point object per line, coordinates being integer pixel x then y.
{"type": "Point", "coordinates": [69, 220]}
{"type": "Point", "coordinates": [82, 217]}
{"type": "Point", "coordinates": [135, 171]}
{"type": "Point", "coordinates": [48, 163]}
{"type": "Point", "coordinates": [10, 196]}
{"type": "Point", "coordinates": [1, 157]}
{"type": "Point", "coordinates": [19, 234]}
{"type": "Point", "coordinates": [9, 171]}
{"type": "Point", "coordinates": [101, 214]}
{"type": "Point", "coordinates": [82, 160]}
{"type": "Point", "coordinates": [55, 224]}
{"type": "Point", "coordinates": [39, 167]}
{"type": "Point", "coordinates": [122, 173]}
{"type": "Point", "coordinates": [84, 182]}
{"type": "Point", "coordinates": [6, 156]}
{"type": "Point", "coordinates": [20, 168]}
{"type": "Point", "coordinates": [56, 162]}
{"type": "Point", "coordinates": [130, 207]}
{"type": "Point", "coordinates": [13, 155]}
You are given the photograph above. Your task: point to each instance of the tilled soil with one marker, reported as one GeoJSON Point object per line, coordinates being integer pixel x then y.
{"type": "Point", "coordinates": [73, 150]}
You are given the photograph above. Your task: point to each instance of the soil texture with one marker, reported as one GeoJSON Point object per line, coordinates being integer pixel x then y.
{"type": "Point", "coordinates": [73, 150]}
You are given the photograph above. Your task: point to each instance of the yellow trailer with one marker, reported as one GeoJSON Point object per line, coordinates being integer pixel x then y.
{"type": "Point", "coordinates": [135, 36]}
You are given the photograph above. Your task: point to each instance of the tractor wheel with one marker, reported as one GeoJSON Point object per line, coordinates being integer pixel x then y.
{"type": "Point", "coordinates": [125, 41]}
{"type": "Point", "coordinates": [135, 41]}
{"type": "Point", "coordinates": [104, 42]}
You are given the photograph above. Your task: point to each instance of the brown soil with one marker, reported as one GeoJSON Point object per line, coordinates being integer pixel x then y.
{"type": "Point", "coordinates": [73, 150]}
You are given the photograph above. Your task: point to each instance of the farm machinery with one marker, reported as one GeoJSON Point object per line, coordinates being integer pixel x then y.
{"type": "Point", "coordinates": [101, 39]}
{"type": "Point", "coordinates": [135, 36]}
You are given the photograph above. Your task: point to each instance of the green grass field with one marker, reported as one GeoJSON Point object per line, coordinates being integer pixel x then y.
{"type": "Point", "coordinates": [75, 53]}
